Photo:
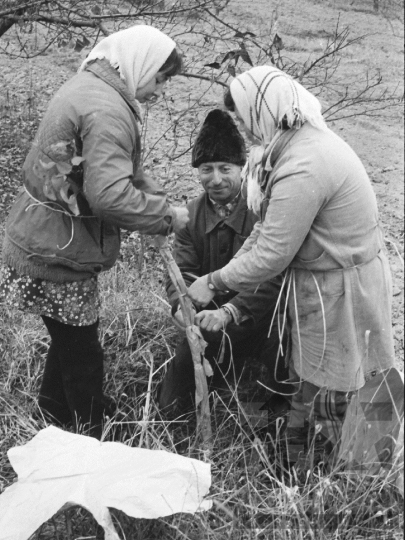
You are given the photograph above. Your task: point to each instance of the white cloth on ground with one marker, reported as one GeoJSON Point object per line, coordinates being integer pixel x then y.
{"type": "Point", "coordinates": [57, 468]}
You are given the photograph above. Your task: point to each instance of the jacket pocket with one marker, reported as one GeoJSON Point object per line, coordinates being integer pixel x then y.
{"type": "Point", "coordinates": [316, 259]}
{"type": "Point", "coordinates": [313, 284]}
{"type": "Point", "coordinates": [319, 300]}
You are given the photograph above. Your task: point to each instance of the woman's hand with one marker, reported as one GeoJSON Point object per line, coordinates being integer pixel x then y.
{"type": "Point", "coordinates": [213, 320]}
{"type": "Point", "coordinates": [200, 293]}
{"type": "Point", "coordinates": [180, 218]}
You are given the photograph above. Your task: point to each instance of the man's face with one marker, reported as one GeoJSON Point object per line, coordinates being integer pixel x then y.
{"type": "Point", "coordinates": [220, 180]}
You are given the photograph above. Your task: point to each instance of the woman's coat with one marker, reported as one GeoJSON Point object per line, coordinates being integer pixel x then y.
{"type": "Point", "coordinates": [320, 227]}
{"type": "Point", "coordinates": [92, 116]}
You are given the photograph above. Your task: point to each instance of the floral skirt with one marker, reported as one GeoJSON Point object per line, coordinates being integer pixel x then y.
{"type": "Point", "coordinates": [76, 303]}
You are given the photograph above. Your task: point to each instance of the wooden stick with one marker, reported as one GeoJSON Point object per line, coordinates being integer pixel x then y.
{"type": "Point", "coordinates": [145, 415]}
{"type": "Point", "coordinates": [196, 342]}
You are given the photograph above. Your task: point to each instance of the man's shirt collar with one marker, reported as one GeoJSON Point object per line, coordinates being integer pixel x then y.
{"type": "Point", "coordinates": [232, 214]}
{"type": "Point", "coordinates": [225, 210]}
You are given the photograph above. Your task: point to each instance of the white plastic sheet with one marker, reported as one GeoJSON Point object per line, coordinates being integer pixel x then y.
{"type": "Point", "coordinates": [57, 467]}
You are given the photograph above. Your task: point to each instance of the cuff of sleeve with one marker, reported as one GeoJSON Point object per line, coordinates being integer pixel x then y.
{"type": "Point", "coordinates": [169, 219]}
{"type": "Point", "coordinates": [236, 314]}
{"type": "Point", "coordinates": [218, 282]}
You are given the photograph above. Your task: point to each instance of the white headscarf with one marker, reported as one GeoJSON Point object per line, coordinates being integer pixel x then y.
{"type": "Point", "coordinates": [138, 52]}
{"type": "Point", "coordinates": [263, 97]}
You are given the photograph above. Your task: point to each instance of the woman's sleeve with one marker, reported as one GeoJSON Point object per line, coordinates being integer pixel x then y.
{"type": "Point", "coordinates": [296, 199]}
{"type": "Point", "coordinates": [250, 240]}
{"type": "Point", "coordinates": [109, 183]}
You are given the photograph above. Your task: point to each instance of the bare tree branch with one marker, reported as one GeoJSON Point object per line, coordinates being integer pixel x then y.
{"type": "Point", "coordinates": [24, 7]}
{"type": "Point", "coordinates": [204, 78]}
{"type": "Point", "coordinates": [208, 40]}
{"type": "Point", "coordinates": [10, 16]}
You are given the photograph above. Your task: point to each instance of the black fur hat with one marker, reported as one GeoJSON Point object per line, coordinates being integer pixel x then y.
{"type": "Point", "coordinates": [219, 140]}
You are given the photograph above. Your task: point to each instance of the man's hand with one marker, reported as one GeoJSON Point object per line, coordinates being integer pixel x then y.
{"type": "Point", "coordinates": [180, 218]}
{"type": "Point", "coordinates": [200, 293]}
{"type": "Point", "coordinates": [213, 320]}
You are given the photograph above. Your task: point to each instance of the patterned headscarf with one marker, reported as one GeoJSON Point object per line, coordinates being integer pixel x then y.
{"type": "Point", "coordinates": [263, 97]}
{"type": "Point", "coordinates": [138, 52]}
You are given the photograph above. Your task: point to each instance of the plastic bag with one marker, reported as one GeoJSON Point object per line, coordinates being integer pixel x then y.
{"type": "Point", "coordinates": [57, 467]}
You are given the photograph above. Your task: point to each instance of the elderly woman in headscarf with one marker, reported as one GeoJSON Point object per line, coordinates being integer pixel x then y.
{"type": "Point", "coordinates": [83, 182]}
{"type": "Point", "coordinates": [319, 226]}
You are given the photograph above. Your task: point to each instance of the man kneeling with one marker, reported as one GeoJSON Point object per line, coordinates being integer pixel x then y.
{"type": "Point", "coordinates": [235, 325]}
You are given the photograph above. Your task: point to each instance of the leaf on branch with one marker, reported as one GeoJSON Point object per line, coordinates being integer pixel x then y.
{"type": "Point", "coordinates": [231, 55]}
{"type": "Point", "coordinates": [85, 41]}
{"type": "Point", "coordinates": [245, 56]}
{"type": "Point", "coordinates": [58, 181]}
{"type": "Point", "coordinates": [96, 9]}
{"type": "Point", "coordinates": [77, 160]}
{"type": "Point", "coordinates": [46, 165]}
{"type": "Point", "coordinates": [236, 54]}
{"type": "Point", "coordinates": [244, 34]}
{"type": "Point", "coordinates": [213, 65]}
{"type": "Point", "coordinates": [61, 151]}
{"type": "Point", "coordinates": [231, 70]}
{"type": "Point", "coordinates": [270, 55]}
{"type": "Point", "coordinates": [81, 43]}
{"type": "Point", "coordinates": [48, 190]}
{"type": "Point", "coordinates": [278, 43]}
{"type": "Point", "coordinates": [70, 200]}
{"type": "Point", "coordinates": [63, 167]}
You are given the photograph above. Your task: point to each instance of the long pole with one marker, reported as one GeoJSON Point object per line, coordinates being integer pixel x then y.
{"type": "Point", "coordinates": [196, 342]}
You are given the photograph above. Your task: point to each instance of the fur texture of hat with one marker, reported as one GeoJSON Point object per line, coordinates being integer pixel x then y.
{"type": "Point", "coordinates": [219, 140]}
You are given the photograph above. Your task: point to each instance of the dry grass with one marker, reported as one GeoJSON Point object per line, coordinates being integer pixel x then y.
{"type": "Point", "coordinates": [254, 495]}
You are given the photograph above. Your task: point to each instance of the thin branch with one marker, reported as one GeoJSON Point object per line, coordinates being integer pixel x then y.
{"type": "Point", "coordinates": [109, 17]}
{"type": "Point", "coordinates": [28, 5]}
{"type": "Point", "coordinates": [89, 23]}
{"type": "Point", "coordinates": [204, 78]}
{"type": "Point", "coordinates": [237, 30]}
{"type": "Point", "coordinates": [339, 47]}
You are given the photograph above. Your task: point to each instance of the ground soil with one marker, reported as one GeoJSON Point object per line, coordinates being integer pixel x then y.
{"type": "Point", "coordinates": [26, 87]}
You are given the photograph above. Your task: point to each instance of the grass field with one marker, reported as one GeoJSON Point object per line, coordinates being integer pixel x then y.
{"type": "Point", "coordinates": [254, 496]}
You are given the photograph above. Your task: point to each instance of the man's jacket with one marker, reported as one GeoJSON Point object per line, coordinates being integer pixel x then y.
{"type": "Point", "coordinates": [208, 243]}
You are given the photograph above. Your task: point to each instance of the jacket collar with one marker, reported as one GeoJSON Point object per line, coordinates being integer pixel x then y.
{"type": "Point", "coordinates": [235, 220]}
{"type": "Point", "coordinates": [104, 71]}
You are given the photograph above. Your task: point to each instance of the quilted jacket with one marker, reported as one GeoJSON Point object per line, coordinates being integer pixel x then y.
{"type": "Point", "coordinates": [92, 122]}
